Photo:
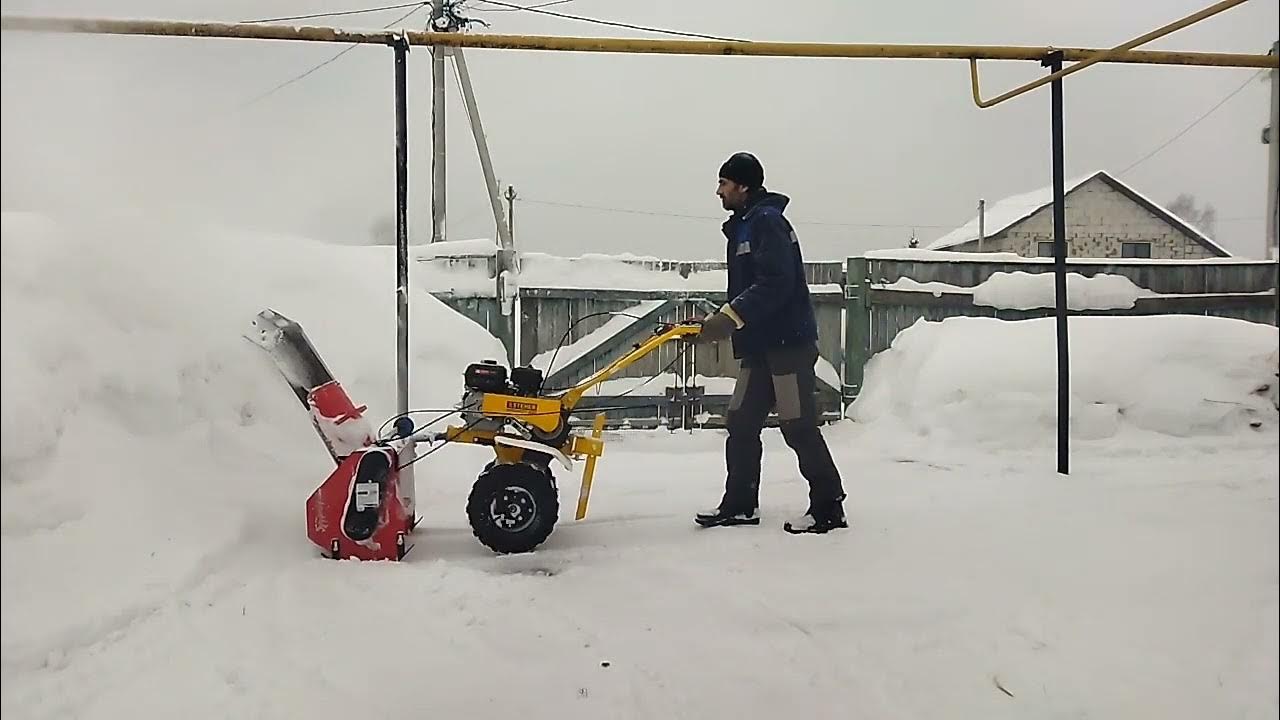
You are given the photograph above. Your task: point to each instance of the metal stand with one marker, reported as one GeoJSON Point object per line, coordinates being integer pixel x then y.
{"type": "Point", "coordinates": [401, 48]}
{"type": "Point", "coordinates": [1054, 62]}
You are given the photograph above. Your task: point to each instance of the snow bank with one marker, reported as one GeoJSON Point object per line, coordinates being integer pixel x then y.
{"type": "Point", "coordinates": [1027, 291]}
{"type": "Point", "coordinates": [143, 438]}
{"type": "Point", "coordinates": [987, 380]}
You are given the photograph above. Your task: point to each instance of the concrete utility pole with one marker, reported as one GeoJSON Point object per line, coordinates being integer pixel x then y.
{"type": "Point", "coordinates": [439, 23]}
{"type": "Point", "coordinates": [482, 148]}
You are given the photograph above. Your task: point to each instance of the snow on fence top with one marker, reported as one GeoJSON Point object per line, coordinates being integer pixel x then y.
{"type": "Point", "coordinates": [466, 267]}
{"type": "Point", "coordinates": [1029, 291]}
{"type": "Point", "coordinates": [924, 255]}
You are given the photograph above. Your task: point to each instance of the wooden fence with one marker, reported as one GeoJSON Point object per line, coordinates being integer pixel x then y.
{"type": "Point", "coordinates": [556, 317]}
{"type": "Point", "coordinates": [861, 307]}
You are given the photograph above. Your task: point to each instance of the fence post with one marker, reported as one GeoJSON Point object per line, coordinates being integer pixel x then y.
{"type": "Point", "coordinates": [857, 332]}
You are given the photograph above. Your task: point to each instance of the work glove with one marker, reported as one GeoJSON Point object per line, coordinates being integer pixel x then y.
{"type": "Point", "coordinates": [715, 327]}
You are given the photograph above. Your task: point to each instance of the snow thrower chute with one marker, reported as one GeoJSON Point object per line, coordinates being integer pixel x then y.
{"type": "Point", "coordinates": [366, 507]}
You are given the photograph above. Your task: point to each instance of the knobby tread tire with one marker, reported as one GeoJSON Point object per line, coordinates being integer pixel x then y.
{"type": "Point", "coordinates": [494, 480]}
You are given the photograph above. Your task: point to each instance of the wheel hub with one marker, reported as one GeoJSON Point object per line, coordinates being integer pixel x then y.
{"type": "Point", "coordinates": [513, 509]}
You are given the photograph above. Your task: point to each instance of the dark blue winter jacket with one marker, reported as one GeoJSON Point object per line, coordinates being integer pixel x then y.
{"type": "Point", "coordinates": [767, 286]}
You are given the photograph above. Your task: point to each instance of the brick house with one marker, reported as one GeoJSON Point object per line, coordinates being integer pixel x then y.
{"type": "Point", "coordinates": [1105, 219]}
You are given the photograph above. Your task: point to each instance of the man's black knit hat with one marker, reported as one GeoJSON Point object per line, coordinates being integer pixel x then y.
{"type": "Point", "coordinates": [744, 169]}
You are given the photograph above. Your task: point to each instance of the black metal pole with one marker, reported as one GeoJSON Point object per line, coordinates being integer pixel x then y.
{"type": "Point", "coordinates": [1054, 61]}
{"type": "Point", "coordinates": [401, 48]}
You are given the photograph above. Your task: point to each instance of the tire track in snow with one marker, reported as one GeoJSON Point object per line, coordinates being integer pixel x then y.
{"type": "Point", "coordinates": [67, 675]}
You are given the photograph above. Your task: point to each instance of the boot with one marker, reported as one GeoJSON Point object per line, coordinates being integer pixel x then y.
{"type": "Point", "coordinates": [819, 519]}
{"type": "Point", "coordinates": [717, 517]}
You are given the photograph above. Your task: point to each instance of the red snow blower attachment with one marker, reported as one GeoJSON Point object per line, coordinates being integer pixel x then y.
{"type": "Point", "coordinates": [365, 508]}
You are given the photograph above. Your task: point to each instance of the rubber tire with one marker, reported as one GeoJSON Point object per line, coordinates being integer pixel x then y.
{"type": "Point", "coordinates": [494, 480]}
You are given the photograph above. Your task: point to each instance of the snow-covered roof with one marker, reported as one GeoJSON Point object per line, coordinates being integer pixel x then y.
{"type": "Point", "coordinates": [1006, 213]}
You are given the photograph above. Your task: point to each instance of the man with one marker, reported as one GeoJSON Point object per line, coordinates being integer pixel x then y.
{"type": "Point", "coordinates": [774, 332]}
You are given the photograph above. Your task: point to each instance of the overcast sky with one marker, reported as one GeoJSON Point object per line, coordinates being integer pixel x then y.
{"type": "Point", "coordinates": [869, 150]}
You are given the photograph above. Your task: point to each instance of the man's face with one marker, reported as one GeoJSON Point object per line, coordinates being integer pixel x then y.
{"type": "Point", "coordinates": [731, 194]}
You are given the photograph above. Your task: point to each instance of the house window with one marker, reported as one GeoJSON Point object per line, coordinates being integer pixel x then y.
{"type": "Point", "coordinates": [1044, 248]}
{"type": "Point", "coordinates": [1135, 250]}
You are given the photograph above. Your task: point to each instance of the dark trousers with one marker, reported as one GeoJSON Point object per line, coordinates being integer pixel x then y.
{"type": "Point", "coordinates": [785, 380]}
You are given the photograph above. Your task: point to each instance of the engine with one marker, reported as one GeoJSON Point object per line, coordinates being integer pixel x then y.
{"type": "Point", "coordinates": [489, 377]}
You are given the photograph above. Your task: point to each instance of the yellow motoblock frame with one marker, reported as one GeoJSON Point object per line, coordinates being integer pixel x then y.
{"type": "Point", "coordinates": [550, 414]}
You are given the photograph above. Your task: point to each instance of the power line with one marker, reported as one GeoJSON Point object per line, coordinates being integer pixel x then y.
{"type": "Point", "coordinates": [720, 218]}
{"type": "Point", "coordinates": [335, 58]}
{"type": "Point", "coordinates": [1195, 122]}
{"type": "Point", "coordinates": [336, 13]}
{"type": "Point", "coordinates": [530, 7]}
{"type": "Point", "coordinates": [538, 9]}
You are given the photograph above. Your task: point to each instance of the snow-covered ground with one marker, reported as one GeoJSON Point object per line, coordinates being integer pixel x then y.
{"type": "Point", "coordinates": [155, 563]}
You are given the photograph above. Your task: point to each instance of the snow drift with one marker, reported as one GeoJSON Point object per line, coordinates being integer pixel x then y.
{"type": "Point", "coordinates": [987, 380]}
{"type": "Point", "coordinates": [143, 436]}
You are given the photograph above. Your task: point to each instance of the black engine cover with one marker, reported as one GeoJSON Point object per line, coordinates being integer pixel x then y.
{"type": "Point", "coordinates": [527, 380]}
{"type": "Point", "coordinates": [487, 376]}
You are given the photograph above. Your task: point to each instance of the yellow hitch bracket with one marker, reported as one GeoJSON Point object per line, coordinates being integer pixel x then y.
{"type": "Point", "coordinates": [586, 446]}
{"type": "Point", "coordinates": [597, 429]}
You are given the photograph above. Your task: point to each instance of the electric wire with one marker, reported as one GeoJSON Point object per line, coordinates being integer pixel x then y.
{"type": "Point", "coordinates": [264, 95]}
{"type": "Point", "coordinates": [527, 7]}
{"type": "Point", "coordinates": [336, 13]}
{"type": "Point", "coordinates": [610, 23]}
{"type": "Point", "coordinates": [1193, 123]}
{"type": "Point", "coordinates": [687, 216]}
